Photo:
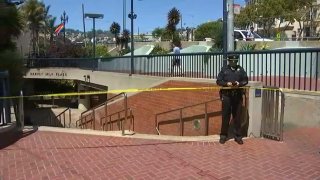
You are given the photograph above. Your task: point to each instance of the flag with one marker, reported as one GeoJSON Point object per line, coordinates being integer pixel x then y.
{"type": "Point", "coordinates": [59, 28]}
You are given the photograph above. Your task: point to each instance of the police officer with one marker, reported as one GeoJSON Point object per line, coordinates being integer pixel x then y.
{"type": "Point", "coordinates": [231, 77]}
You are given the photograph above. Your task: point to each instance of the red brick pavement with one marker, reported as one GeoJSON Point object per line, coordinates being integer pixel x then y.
{"type": "Point", "coordinates": [50, 155]}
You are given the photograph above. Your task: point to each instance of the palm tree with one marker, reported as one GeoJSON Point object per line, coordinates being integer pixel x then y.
{"type": "Point", "coordinates": [34, 12]}
{"type": "Point", "coordinates": [47, 18]}
{"type": "Point", "coordinates": [115, 29]}
{"type": "Point", "coordinates": [174, 17]}
{"type": "Point", "coordinates": [51, 28]}
{"type": "Point", "coordinates": [125, 38]}
{"type": "Point", "coordinates": [11, 24]}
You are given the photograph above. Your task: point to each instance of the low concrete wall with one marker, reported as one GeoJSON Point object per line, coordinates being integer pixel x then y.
{"type": "Point", "coordinates": [167, 44]}
{"type": "Point", "coordinates": [301, 110]}
{"type": "Point", "coordinates": [277, 44]}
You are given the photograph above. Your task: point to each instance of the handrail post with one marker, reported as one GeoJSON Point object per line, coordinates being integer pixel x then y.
{"type": "Point", "coordinates": [119, 121]}
{"type": "Point", "coordinates": [156, 123]}
{"type": "Point", "coordinates": [69, 117]}
{"type": "Point", "coordinates": [132, 120]}
{"type": "Point", "coordinates": [282, 113]}
{"type": "Point", "coordinates": [125, 114]}
{"type": "Point", "coordinates": [106, 114]}
{"type": "Point", "coordinates": [110, 128]}
{"type": "Point", "coordinates": [181, 123]}
{"type": "Point", "coordinates": [85, 122]}
{"type": "Point", "coordinates": [94, 119]}
{"type": "Point", "coordinates": [64, 120]}
{"type": "Point", "coordinates": [206, 119]}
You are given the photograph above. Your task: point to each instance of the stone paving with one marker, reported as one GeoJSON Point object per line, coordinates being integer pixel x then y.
{"type": "Point", "coordinates": [55, 155]}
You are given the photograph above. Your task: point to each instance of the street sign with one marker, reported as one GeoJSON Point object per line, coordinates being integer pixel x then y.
{"type": "Point", "coordinates": [236, 8]}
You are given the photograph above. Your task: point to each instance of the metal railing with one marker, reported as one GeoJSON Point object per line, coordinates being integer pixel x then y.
{"type": "Point", "coordinates": [83, 63]}
{"type": "Point", "coordinates": [119, 120]}
{"type": "Point", "coordinates": [285, 68]}
{"type": "Point", "coordinates": [272, 113]}
{"type": "Point", "coordinates": [62, 117]}
{"type": "Point", "coordinates": [181, 119]}
{"type": "Point", "coordinates": [83, 122]}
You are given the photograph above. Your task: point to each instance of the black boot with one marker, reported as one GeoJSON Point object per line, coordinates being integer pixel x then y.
{"type": "Point", "coordinates": [238, 140]}
{"type": "Point", "coordinates": [223, 139]}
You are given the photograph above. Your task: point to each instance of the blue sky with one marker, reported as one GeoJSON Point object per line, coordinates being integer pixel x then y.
{"type": "Point", "coordinates": [151, 13]}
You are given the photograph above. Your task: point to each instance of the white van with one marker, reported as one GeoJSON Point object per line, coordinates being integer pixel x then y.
{"type": "Point", "coordinates": [241, 35]}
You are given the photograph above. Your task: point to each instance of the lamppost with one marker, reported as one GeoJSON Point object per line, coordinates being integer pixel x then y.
{"type": "Point", "coordinates": [132, 16]}
{"type": "Point", "coordinates": [225, 32]}
{"type": "Point", "coordinates": [64, 19]}
{"type": "Point", "coordinates": [228, 39]}
{"type": "Point", "coordinates": [124, 14]}
{"type": "Point", "coordinates": [94, 17]}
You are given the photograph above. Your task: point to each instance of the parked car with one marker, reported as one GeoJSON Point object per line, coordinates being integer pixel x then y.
{"type": "Point", "coordinates": [241, 35]}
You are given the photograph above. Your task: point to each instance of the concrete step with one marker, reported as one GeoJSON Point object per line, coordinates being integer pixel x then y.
{"type": "Point", "coordinates": [131, 134]}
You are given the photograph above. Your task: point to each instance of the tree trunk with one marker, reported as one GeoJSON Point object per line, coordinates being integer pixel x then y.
{"type": "Point", "coordinates": [301, 30]}
{"type": "Point", "coordinates": [33, 42]}
{"type": "Point", "coordinates": [51, 38]}
{"type": "Point", "coordinates": [37, 42]}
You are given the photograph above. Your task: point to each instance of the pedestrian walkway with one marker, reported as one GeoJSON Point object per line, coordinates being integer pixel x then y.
{"type": "Point", "coordinates": [54, 155]}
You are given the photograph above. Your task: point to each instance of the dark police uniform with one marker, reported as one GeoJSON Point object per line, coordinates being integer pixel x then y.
{"type": "Point", "coordinates": [231, 98]}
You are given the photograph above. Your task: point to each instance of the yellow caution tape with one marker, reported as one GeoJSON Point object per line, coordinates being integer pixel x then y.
{"type": "Point", "coordinates": [152, 90]}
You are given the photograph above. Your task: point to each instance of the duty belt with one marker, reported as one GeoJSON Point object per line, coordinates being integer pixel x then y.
{"type": "Point", "coordinates": [233, 92]}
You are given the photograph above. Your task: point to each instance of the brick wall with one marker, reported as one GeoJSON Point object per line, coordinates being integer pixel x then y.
{"type": "Point", "coordinates": [146, 105]}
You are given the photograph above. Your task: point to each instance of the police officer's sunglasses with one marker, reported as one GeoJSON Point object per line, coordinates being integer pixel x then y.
{"type": "Point", "coordinates": [233, 61]}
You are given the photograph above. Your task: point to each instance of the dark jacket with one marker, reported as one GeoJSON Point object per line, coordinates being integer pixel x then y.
{"type": "Point", "coordinates": [228, 75]}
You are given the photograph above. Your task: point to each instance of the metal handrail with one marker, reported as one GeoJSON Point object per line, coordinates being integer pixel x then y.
{"type": "Point", "coordinates": [181, 120]}
{"type": "Point", "coordinates": [119, 119]}
{"type": "Point", "coordinates": [64, 116]}
{"type": "Point", "coordinates": [104, 104]}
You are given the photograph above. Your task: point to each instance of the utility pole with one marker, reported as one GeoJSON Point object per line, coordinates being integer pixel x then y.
{"type": "Point", "coordinates": [228, 37]}
{"type": "Point", "coordinates": [230, 26]}
{"type": "Point", "coordinates": [132, 16]}
{"type": "Point", "coordinates": [124, 14]}
{"type": "Point", "coordinates": [225, 32]}
{"type": "Point", "coordinates": [84, 27]}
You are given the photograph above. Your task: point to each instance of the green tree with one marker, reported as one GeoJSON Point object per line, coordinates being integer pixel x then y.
{"type": "Point", "coordinates": [34, 12]}
{"type": "Point", "coordinates": [102, 51]}
{"type": "Point", "coordinates": [299, 11]}
{"type": "Point", "coordinates": [174, 17]}
{"type": "Point", "coordinates": [51, 28]}
{"type": "Point", "coordinates": [115, 29]}
{"type": "Point", "coordinates": [210, 30]}
{"type": "Point", "coordinates": [159, 50]}
{"type": "Point", "coordinates": [125, 39]}
{"type": "Point", "coordinates": [158, 32]}
{"type": "Point", "coordinates": [247, 17]}
{"type": "Point", "coordinates": [47, 18]}
{"type": "Point", "coordinates": [11, 24]}
{"type": "Point", "coordinates": [267, 13]}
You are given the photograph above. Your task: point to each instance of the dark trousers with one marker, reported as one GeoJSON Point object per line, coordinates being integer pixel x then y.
{"type": "Point", "coordinates": [231, 104]}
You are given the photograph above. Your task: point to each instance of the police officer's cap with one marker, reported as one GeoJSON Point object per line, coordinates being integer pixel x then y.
{"type": "Point", "coordinates": [233, 57]}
